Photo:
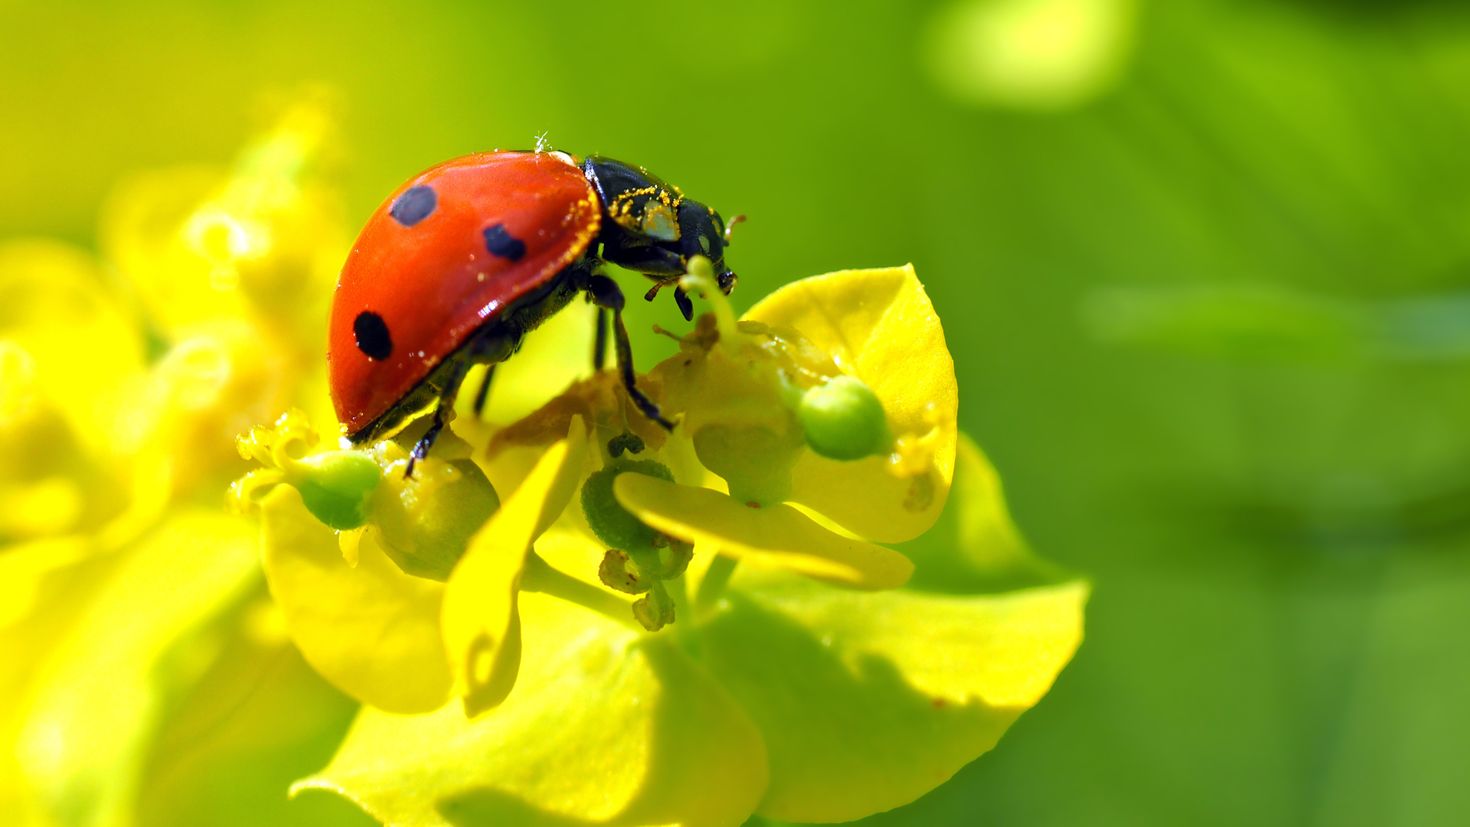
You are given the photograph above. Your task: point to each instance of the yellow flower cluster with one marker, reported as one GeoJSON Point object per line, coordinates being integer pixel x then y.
{"type": "Point", "coordinates": [600, 603]}
{"type": "Point", "coordinates": [131, 604]}
{"type": "Point", "coordinates": [805, 602]}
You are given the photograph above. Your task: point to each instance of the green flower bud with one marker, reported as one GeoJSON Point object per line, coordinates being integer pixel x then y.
{"type": "Point", "coordinates": [425, 521]}
{"type": "Point", "coordinates": [843, 419]}
{"type": "Point", "coordinates": [607, 518]}
{"type": "Point", "coordinates": [337, 486]}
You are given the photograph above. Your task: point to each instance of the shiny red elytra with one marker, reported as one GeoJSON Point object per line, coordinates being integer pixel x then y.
{"type": "Point", "coordinates": [465, 259]}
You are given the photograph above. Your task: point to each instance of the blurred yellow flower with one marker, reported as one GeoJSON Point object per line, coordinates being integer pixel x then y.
{"type": "Point", "coordinates": [1029, 54]}
{"type": "Point", "coordinates": [126, 587]}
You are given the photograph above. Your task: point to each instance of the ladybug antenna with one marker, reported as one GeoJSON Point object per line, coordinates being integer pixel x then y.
{"type": "Point", "coordinates": [730, 228]}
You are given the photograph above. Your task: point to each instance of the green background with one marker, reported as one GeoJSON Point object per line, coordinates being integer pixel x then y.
{"type": "Point", "coordinates": [1207, 305]}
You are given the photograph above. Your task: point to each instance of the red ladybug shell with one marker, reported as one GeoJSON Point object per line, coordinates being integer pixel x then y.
{"type": "Point", "coordinates": [445, 254]}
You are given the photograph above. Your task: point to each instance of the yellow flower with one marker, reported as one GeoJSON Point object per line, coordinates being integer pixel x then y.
{"type": "Point", "coordinates": [611, 663]}
{"type": "Point", "coordinates": [567, 615]}
{"type": "Point", "coordinates": [66, 358]}
{"type": "Point", "coordinates": [356, 613]}
{"type": "Point", "coordinates": [132, 617]}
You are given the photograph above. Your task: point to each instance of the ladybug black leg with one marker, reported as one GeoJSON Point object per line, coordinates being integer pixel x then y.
{"type": "Point", "coordinates": [442, 413]}
{"type": "Point", "coordinates": [606, 293]}
{"type": "Point", "coordinates": [599, 342]}
{"type": "Point", "coordinates": [483, 393]}
{"type": "Point", "coordinates": [686, 305]}
{"type": "Point", "coordinates": [421, 448]}
{"type": "Point", "coordinates": [625, 367]}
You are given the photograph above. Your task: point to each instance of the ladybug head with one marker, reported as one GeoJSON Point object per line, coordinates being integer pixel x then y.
{"type": "Point", "coordinates": [649, 226]}
{"type": "Point", "coordinates": [702, 232]}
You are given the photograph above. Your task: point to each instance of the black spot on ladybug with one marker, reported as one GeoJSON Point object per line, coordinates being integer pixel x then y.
{"type": "Point", "coordinates": [371, 335]}
{"type": "Point", "coordinates": [414, 205]}
{"type": "Point", "coordinates": [500, 242]}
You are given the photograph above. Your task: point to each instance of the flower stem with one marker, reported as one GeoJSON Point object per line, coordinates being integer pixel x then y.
{"type": "Point", "coordinates": [712, 585]}
{"type": "Point", "coordinates": [685, 632]}
{"type": "Point", "coordinates": [540, 576]}
{"type": "Point", "coordinates": [701, 278]}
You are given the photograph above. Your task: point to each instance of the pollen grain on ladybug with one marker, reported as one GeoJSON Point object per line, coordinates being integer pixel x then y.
{"type": "Point", "coordinates": [548, 224]}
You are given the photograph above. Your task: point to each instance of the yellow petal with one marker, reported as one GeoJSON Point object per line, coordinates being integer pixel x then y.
{"type": "Point", "coordinates": [481, 625]}
{"type": "Point", "coordinates": [371, 630]}
{"type": "Point", "coordinates": [575, 552]}
{"type": "Point", "coordinates": [54, 305]}
{"type": "Point", "coordinates": [975, 546]}
{"type": "Point", "coordinates": [205, 391]}
{"type": "Point", "coordinates": [148, 234]}
{"type": "Point", "coordinates": [49, 604]}
{"type": "Point", "coordinates": [142, 635]}
{"type": "Point", "coordinates": [868, 701]}
{"type": "Point", "coordinates": [252, 723]}
{"type": "Point", "coordinates": [879, 326]}
{"type": "Point", "coordinates": [776, 535]}
{"type": "Point", "coordinates": [25, 568]}
{"type": "Point", "coordinates": [605, 726]}
{"type": "Point", "coordinates": [264, 239]}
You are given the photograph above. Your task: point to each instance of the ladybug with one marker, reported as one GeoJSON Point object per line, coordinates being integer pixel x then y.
{"type": "Point", "coordinates": [466, 258]}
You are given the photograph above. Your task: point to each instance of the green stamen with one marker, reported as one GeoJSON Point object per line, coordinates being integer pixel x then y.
{"type": "Point", "coordinates": [701, 280]}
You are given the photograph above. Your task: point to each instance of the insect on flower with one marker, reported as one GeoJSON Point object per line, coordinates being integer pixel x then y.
{"type": "Point", "coordinates": [463, 260]}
